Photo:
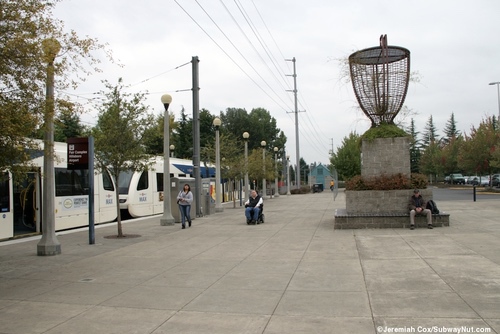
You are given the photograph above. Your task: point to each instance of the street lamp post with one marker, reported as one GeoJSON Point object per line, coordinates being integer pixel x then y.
{"type": "Point", "coordinates": [498, 95]}
{"type": "Point", "coordinates": [263, 144]}
{"type": "Point", "coordinates": [246, 135]}
{"type": "Point", "coordinates": [288, 175]}
{"type": "Point", "coordinates": [276, 188]}
{"type": "Point", "coordinates": [172, 148]}
{"type": "Point", "coordinates": [167, 218]}
{"type": "Point", "coordinates": [48, 244]}
{"type": "Point", "coordinates": [218, 190]}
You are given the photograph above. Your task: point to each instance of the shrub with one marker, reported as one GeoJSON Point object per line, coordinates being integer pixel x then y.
{"type": "Point", "coordinates": [387, 182]}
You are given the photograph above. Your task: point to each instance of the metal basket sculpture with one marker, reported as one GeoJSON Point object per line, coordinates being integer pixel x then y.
{"type": "Point", "coordinates": [380, 76]}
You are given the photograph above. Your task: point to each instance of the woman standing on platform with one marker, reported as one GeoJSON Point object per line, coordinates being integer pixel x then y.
{"type": "Point", "coordinates": [184, 199]}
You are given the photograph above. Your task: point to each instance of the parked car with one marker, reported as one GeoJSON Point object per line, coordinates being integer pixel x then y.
{"type": "Point", "coordinates": [457, 179]}
{"type": "Point", "coordinates": [447, 179]}
{"type": "Point", "coordinates": [495, 180]}
{"type": "Point", "coordinates": [481, 181]}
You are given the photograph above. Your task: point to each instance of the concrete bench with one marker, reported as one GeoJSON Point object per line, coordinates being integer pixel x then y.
{"type": "Point", "coordinates": [343, 220]}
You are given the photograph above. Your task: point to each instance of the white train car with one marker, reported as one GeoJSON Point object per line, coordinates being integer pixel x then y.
{"type": "Point", "coordinates": [22, 199]}
{"type": "Point", "coordinates": [140, 192]}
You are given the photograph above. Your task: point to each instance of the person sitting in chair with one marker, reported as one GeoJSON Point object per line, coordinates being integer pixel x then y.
{"type": "Point", "coordinates": [417, 206]}
{"type": "Point", "coordinates": [252, 207]}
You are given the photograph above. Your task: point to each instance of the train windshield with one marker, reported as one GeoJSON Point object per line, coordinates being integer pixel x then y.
{"type": "Point", "coordinates": [124, 182]}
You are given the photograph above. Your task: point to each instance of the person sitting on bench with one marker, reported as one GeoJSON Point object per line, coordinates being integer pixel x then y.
{"type": "Point", "coordinates": [416, 205]}
{"type": "Point", "coordinates": [252, 207]}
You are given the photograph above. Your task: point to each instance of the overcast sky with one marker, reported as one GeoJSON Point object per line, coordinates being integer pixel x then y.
{"type": "Point", "coordinates": [242, 46]}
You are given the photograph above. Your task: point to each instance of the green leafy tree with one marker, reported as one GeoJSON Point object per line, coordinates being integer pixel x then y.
{"type": "Point", "coordinates": [478, 150]}
{"type": "Point", "coordinates": [153, 135]}
{"type": "Point", "coordinates": [449, 155]}
{"type": "Point", "coordinates": [122, 120]}
{"type": "Point", "coordinates": [67, 124]}
{"type": "Point", "coordinates": [24, 25]}
{"type": "Point", "coordinates": [258, 123]}
{"type": "Point", "coordinates": [431, 160]}
{"type": "Point", "coordinates": [347, 159]}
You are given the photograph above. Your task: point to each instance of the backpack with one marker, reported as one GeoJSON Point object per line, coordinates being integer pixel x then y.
{"type": "Point", "coordinates": [431, 205]}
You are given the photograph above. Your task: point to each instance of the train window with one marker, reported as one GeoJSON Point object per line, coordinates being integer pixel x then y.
{"type": "Point", "coordinates": [71, 182]}
{"type": "Point", "coordinates": [124, 181]}
{"type": "Point", "coordinates": [143, 181]}
{"type": "Point", "coordinates": [4, 193]}
{"type": "Point", "coordinates": [159, 181]}
{"type": "Point", "coordinates": [106, 181]}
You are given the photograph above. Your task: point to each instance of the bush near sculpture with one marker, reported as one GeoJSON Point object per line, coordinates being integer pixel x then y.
{"type": "Point", "coordinates": [387, 182]}
{"type": "Point", "coordinates": [383, 130]}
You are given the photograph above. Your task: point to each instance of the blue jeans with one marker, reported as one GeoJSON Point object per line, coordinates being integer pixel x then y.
{"type": "Point", "coordinates": [185, 213]}
{"type": "Point", "coordinates": [252, 213]}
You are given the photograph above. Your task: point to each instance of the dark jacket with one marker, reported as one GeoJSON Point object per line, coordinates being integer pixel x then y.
{"type": "Point", "coordinates": [253, 202]}
{"type": "Point", "coordinates": [416, 202]}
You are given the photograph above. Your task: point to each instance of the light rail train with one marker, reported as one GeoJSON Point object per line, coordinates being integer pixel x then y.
{"type": "Point", "coordinates": [141, 192]}
{"type": "Point", "coordinates": [21, 200]}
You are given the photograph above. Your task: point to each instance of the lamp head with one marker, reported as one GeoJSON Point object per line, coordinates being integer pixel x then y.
{"type": "Point", "coordinates": [263, 143]}
{"type": "Point", "coordinates": [217, 122]}
{"type": "Point", "coordinates": [172, 147]}
{"type": "Point", "coordinates": [276, 149]}
{"type": "Point", "coordinates": [166, 99]}
{"type": "Point", "coordinates": [50, 48]}
{"type": "Point", "coordinates": [246, 135]}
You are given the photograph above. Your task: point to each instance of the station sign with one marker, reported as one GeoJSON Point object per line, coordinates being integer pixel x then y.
{"type": "Point", "coordinates": [78, 153]}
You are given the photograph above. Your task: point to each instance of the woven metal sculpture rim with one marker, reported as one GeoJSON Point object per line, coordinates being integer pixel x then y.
{"type": "Point", "coordinates": [375, 56]}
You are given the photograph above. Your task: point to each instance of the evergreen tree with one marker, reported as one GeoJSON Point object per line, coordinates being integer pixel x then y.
{"type": "Point", "coordinates": [183, 137]}
{"type": "Point", "coordinates": [414, 149]}
{"type": "Point", "coordinates": [450, 130]}
{"type": "Point", "coordinates": [347, 159]}
{"type": "Point", "coordinates": [430, 134]}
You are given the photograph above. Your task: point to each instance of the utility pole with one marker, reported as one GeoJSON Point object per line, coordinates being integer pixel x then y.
{"type": "Point", "coordinates": [196, 135]}
{"type": "Point", "coordinates": [297, 153]}
{"type": "Point", "coordinates": [331, 151]}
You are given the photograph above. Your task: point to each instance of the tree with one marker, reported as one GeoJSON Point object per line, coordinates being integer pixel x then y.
{"type": "Point", "coordinates": [183, 137]}
{"type": "Point", "coordinates": [67, 124]}
{"type": "Point", "coordinates": [414, 149]}
{"type": "Point", "coordinates": [450, 129]}
{"type": "Point", "coordinates": [258, 123]}
{"type": "Point", "coordinates": [347, 159]}
{"type": "Point", "coordinates": [430, 134]}
{"type": "Point", "coordinates": [121, 123]}
{"type": "Point", "coordinates": [449, 155]}
{"type": "Point", "coordinates": [430, 161]}
{"type": "Point", "coordinates": [24, 24]}
{"type": "Point", "coordinates": [478, 150]}
{"type": "Point", "coordinates": [153, 135]}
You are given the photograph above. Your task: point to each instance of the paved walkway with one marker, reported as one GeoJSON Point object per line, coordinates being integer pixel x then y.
{"type": "Point", "coordinates": [293, 274]}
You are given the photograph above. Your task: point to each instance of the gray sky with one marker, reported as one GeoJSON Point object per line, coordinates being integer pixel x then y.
{"type": "Point", "coordinates": [454, 47]}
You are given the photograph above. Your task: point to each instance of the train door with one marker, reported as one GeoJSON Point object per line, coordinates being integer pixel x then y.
{"type": "Point", "coordinates": [26, 199]}
{"type": "Point", "coordinates": [6, 206]}
{"type": "Point", "coordinates": [157, 190]}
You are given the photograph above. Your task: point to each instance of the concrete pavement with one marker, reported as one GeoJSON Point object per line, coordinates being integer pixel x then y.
{"type": "Point", "coordinates": [293, 274]}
